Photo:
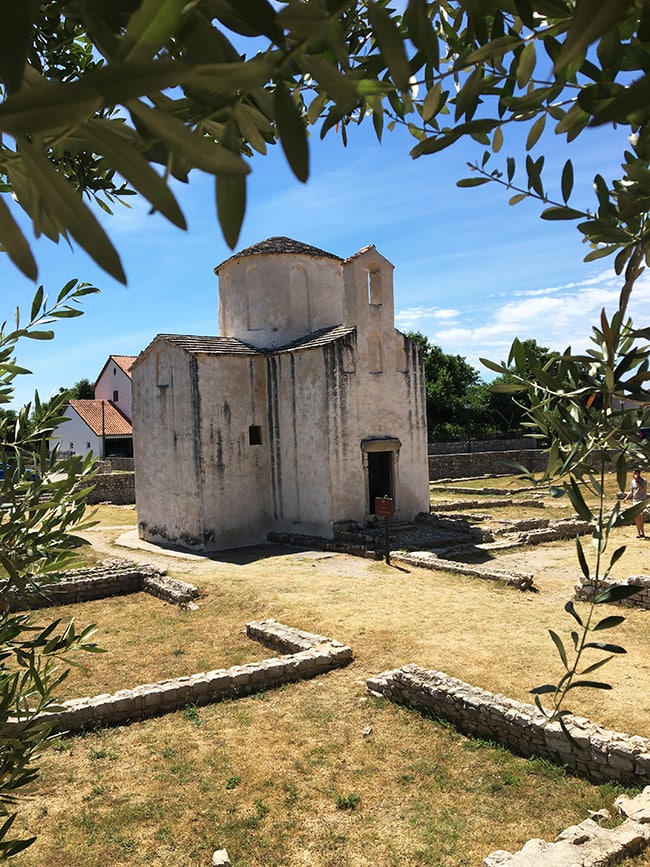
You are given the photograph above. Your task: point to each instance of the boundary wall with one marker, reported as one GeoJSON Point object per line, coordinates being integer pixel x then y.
{"type": "Point", "coordinates": [306, 655]}
{"type": "Point", "coordinates": [460, 466]}
{"type": "Point", "coordinates": [116, 488]}
{"type": "Point", "coordinates": [496, 445]}
{"type": "Point", "coordinates": [601, 755]}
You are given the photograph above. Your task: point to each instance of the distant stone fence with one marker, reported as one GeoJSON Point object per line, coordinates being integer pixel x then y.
{"type": "Point", "coordinates": [458, 466]}
{"type": "Point", "coordinates": [103, 465]}
{"type": "Point", "coordinates": [116, 488]}
{"type": "Point", "coordinates": [309, 656]}
{"type": "Point", "coordinates": [123, 465]}
{"type": "Point", "coordinates": [500, 445]}
{"type": "Point", "coordinates": [601, 755]}
{"type": "Point", "coordinates": [112, 578]}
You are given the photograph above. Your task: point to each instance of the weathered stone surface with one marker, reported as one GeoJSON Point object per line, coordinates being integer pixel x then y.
{"type": "Point", "coordinates": [566, 528]}
{"type": "Point", "coordinates": [637, 808]}
{"type": "Point", "coordinates": [583, 845]}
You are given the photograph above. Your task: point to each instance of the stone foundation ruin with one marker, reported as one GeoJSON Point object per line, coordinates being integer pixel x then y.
{"type": "Point", "coordinates": [586, 589]}
{"type": "Point", "coordinates": [601, 755]}
{"type": "Point", "coordinates": [305, 655]}
{"type": "Point", "coordinates": [110, 578]}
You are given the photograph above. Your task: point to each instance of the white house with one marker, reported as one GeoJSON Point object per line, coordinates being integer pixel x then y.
{"type": "Point", "coordinates": [114, 383]}
{"type": "Point", "coordinates": [308, 407]}
{"type": "Point", "coordinates": [103, 425]}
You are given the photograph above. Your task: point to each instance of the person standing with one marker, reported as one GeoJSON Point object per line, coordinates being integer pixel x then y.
{"type": "Point", "coordinates": [638, 491]}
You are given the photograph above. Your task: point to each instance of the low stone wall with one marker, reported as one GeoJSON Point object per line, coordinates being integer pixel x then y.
{"type": "Point", "coordinates": [585, 590]}
{"type": "Point", "coordinates": [502, 502]}
{"type": "Point", "coordinates": [601, 755]}
{"type": "Point", "coordinates": [362, 548]}
{"type": "Point", "coordinates": [457, 466]}
{"type": "Point", "coordinates": [120, 464]}
{"type": "Point", "coordinates": [317, 655]}
{"type": "Point", "coordinates": [429, 560]}
{"type": "Point", "coordinates": [115, 488]}
{"type": "Point", "coordinates": [564, 528]}
{"type": "Point", "coordinates": [112, 578]}
{"type": "Point", "coordinates": [500, 445]}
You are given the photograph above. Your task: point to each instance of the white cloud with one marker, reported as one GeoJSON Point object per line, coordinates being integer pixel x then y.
{"type": "Point", "coordinates": [413, 317]}
{"type": "Point", "coordinates": [556, 317]}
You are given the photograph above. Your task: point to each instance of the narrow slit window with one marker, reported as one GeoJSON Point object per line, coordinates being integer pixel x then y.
{"type": "Point", "coordinates": [116, 396]}
{"type": "Point", "coordinates": [255, 435]}
{"type": "Point", "coordinates": [374, 287]}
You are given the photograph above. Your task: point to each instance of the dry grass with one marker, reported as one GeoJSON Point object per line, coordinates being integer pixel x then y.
{"type": "Point", "coordinates": [268, 777]}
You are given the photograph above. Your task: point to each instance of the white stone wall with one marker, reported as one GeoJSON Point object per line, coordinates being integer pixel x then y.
{"type": "Point", "coordinates": [74, 435]}
{"type": "Point", "coordinates": [390, 396]}
{"type": "Point", "coordinates": [232, 477]}
{"type": "Point", "coordinates": [166, 437]}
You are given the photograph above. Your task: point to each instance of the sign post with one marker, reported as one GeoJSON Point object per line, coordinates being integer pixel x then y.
{"type": "Point", "coordinates": [384, 509]}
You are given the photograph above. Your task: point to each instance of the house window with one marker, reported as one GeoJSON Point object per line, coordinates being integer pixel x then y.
{"type": "Point", "coordinates": [116, 396]}
{"type": "Point", "coordinates": [114, 371]}
{"type": "Point", "coordinates": [71, 447]}
{"type": "Point", "coordinates": [87, 445]}
{"type": "Point", "coordinates": [255, 435]}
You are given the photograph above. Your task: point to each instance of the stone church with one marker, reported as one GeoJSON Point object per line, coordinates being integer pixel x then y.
{"type": "Point", "coordinates": [308, 406]}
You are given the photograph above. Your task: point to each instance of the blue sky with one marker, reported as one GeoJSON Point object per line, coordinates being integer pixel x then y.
{"type": "Point", "coordinates": [471, 272]}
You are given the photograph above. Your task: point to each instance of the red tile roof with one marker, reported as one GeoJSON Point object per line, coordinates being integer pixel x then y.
{"type": "Point", "coordinates": [115, 423]}
{"type": "Point", "coordinates": [124, 362]}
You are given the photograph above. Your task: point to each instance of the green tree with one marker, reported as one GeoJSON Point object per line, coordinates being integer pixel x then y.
{"type": "Point", "coordinates": [81, 390]}
{"type": "Point", "coordinates": [448, 382]}
{"type": "Point", "coordinates": [505, 410]}
{"type": "Point", "coordinates": [84, 389]}
{"type": "Point", "coordinates": [42, 505]}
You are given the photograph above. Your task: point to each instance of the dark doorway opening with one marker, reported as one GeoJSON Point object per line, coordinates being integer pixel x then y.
{"type": "Point", "coordinates": [380, 476]}
{"type": "Point", "coordinates": [118, 447]}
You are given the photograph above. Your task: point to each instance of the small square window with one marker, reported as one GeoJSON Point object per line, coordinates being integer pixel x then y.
{"type": "Point", "coordinates": [255, 435]}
